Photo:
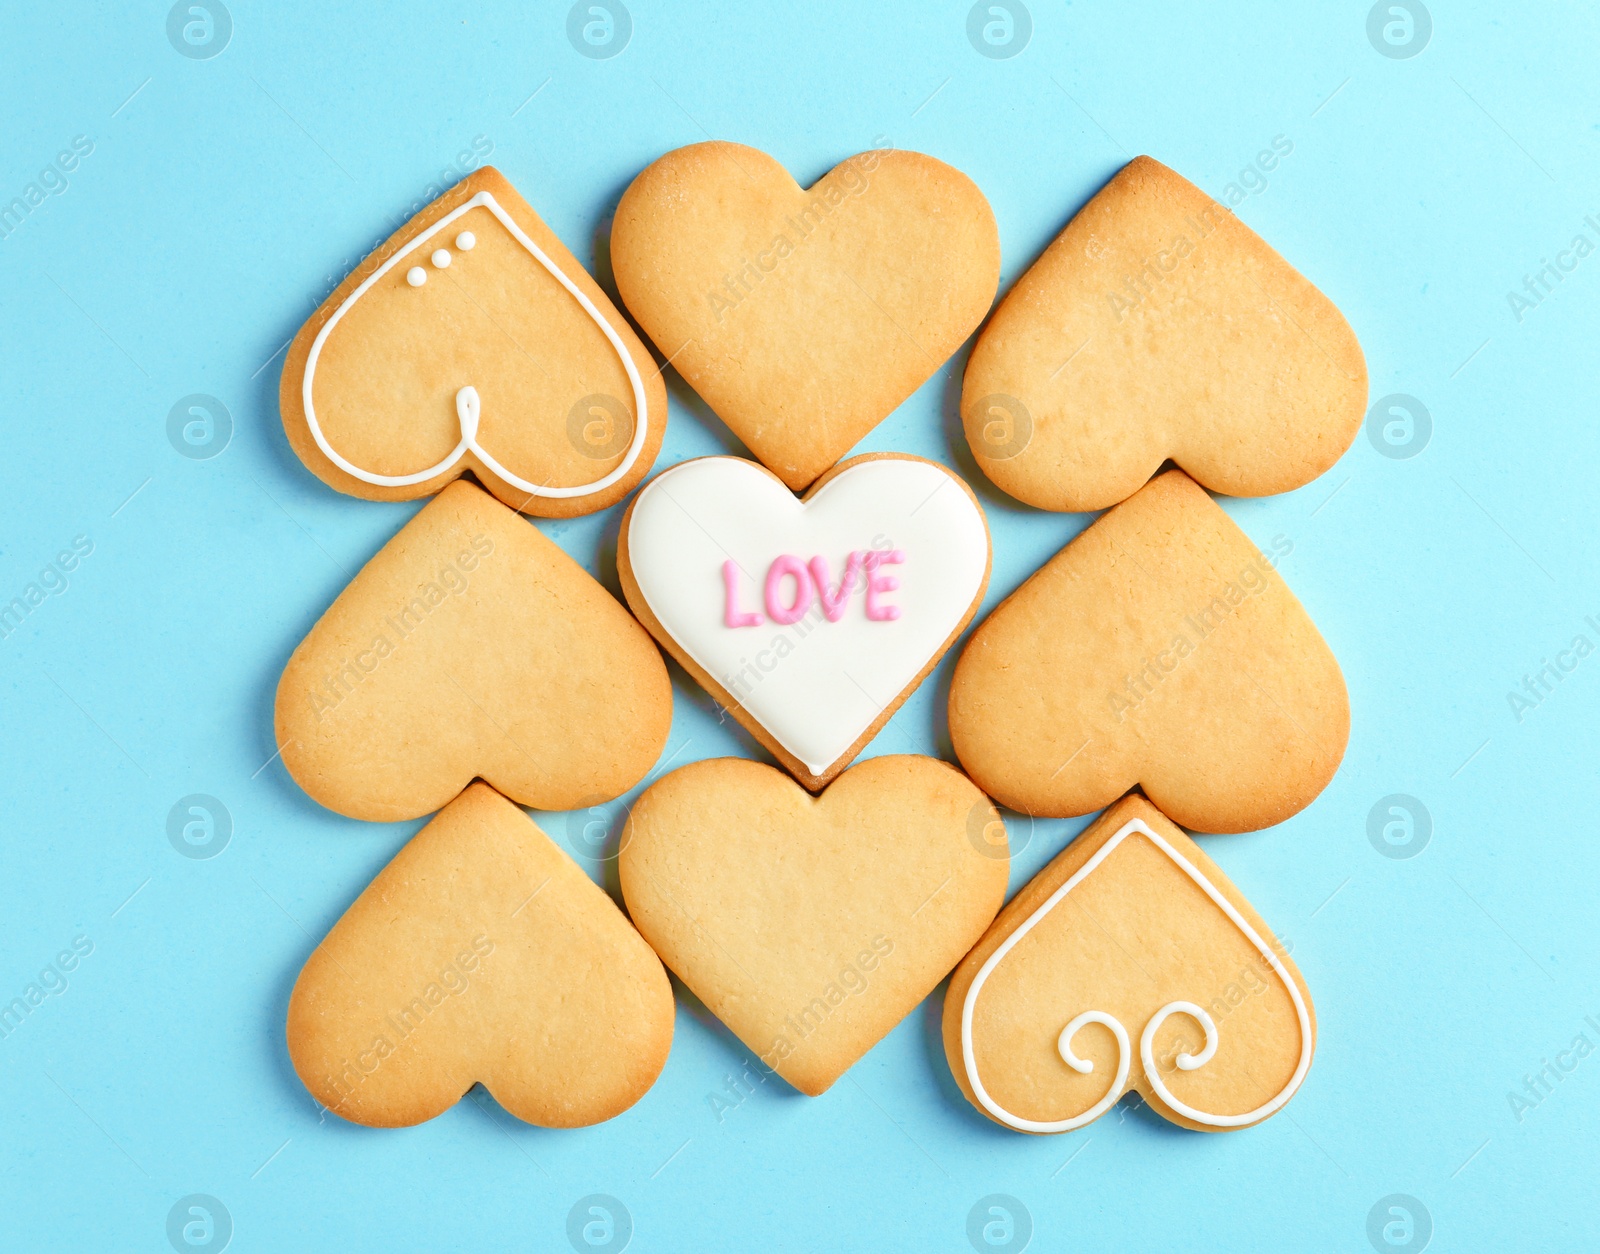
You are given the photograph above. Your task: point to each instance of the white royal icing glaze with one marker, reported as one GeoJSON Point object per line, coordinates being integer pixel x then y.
{"type": "Point", "coordinates": [441, 258]}
{"type": "Point", "coordinates": [820, 689]}
{"type": "Point", "coordinates": [466, 241]}
{"type": "Point", "coordinates": [1185, 1061]}
{"type": "Point", "coordinates": [469, 439]}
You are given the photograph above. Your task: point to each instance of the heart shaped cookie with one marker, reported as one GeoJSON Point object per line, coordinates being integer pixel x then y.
{"type": "Point", "coordinates": [1157, 326]}
{"type": "Point", "coordinates": [473, 340]}
{"type": "Point", "coordinates": [1160, 648]}
{"type": "Point", "coordinates": [1131, 930]}
{"type": "Point", "coordinates": [812, 925]}
{"type": "Point", "coordinates": [481, 954]}
{"type": "Point", "coordinates": [470, 646]}
{"type": "Point", "coordinates": [810, 620]}
{"type": "Point", "coordinates": [804, 316]}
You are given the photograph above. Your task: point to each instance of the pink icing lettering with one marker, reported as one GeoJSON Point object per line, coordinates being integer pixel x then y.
{"type": "Point", "coordinates": [732, 615]}
{"type": "Point", "coordinates": [835, 601]}
{"type": "Point", "coordinates": [877, 584]}
{"type": "Point", "coordinates": [804, 592]}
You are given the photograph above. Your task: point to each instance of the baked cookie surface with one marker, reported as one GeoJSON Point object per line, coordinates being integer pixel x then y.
{"type": "Point", "coordinates": [812, 925]}
{"type": "Point", "coordinates": [472, 339]}
{"type": "Point", "coordinates": [803, 316]}
{"type": "Point", "coordinates": [471, 646]}
{"type": "Point", "coordinates": [1157, 326]}
{"type": "Point", "coordinates": [1130, 961]}
{"type": "Point", "coordinates": [1160, 649]}
{"type": "Point", "coordinates": [481, 954]}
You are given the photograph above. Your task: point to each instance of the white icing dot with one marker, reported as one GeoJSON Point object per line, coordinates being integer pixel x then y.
{"type": "Point", "coordinates": [441, 257]}
{"type": "Point", "coordinates": [465, 241]}
{"type": "Point", "coordinates": [416, 276]}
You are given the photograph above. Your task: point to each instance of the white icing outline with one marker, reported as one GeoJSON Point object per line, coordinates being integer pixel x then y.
{"type": "Point", "coordinates": [1185, 1061]}
{"type": "Point", "coordinates": [469, 438]}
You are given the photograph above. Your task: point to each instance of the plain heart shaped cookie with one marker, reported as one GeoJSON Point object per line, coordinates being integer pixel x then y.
{"type": "Point", "coordinates": [812, 925]}
{"type": "Point", "coordinates": [481, 954]}
{"type": "Point", "coordinates": [811, 620]}
{"type": "Point", "coordinates": [472, 339]}
{"type": "Point", "coordinates": [1160, 648]}
{"type": "Point", "coordinates": [1129, 961]}
{"type": "Point", "coordinates": [471, 646]}
{"type": "Point", "coordinates": [1157, 326]}
{"type": "Point", "coordinates": [804, 316]}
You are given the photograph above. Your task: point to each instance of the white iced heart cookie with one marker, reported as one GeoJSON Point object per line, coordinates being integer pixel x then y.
{"type": "Point", "coordinates": [811, 620]}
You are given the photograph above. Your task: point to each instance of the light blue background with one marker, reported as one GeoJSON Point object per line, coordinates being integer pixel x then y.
{"type": "Point", "coordinates": [227, 196]}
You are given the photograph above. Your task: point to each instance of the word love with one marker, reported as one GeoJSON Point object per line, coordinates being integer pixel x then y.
{"type": "Point", "coordinates": [813, 583]}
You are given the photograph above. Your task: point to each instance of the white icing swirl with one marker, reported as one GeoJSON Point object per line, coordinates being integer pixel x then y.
{"type": "Point", "coordinates": [1185, 1061]}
